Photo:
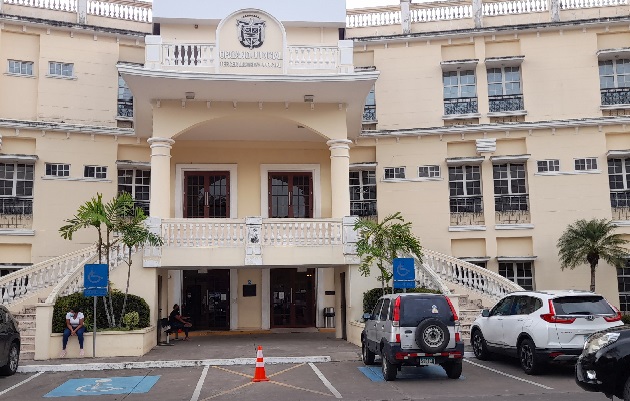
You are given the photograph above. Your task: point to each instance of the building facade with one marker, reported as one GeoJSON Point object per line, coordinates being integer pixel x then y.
{"type": "Point", "coordinates": [254, 137]}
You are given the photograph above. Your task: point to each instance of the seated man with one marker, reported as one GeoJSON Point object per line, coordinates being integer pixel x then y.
{"type": "Point", "coordinates": [177, 321]}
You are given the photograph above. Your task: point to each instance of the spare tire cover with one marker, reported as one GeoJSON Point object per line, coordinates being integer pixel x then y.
{"type": "Point", "coordinates": [432, 335]}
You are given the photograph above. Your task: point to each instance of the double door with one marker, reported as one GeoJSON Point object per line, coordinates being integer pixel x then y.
{"type": "Point", "coordinates": [206, 194]}
{"type": "Point", "coordinates": [207, 298]}
{"type": "Point", "coordinates": [290, 195]}
{"type": "Point", "coordinates": [293, 298]}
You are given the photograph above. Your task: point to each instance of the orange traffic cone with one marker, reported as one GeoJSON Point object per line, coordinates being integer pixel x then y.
{"type": "Point", "coordinates": [259, 374]}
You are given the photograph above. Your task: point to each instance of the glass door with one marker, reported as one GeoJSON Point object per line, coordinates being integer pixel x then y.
{"type": "Point", "coordinates": [290, 195]}
{"type": "Point", "coordinates": [206, 194]}
{"type": "Point", "coordinates": [207, 298]}
{"type": "Point", "coordinates": [293, 298]}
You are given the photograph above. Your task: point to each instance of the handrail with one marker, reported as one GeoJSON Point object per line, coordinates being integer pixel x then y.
{"type": "Point", "coordinates": [428, 278]}
{"type": "Point", "coordinates": [474, 278]}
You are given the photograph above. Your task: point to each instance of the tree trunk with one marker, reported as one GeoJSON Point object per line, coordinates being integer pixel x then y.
{"type": "Point", "coordinates": [122, 314]}
{"type": "Point", "coordinates": [593, 266]}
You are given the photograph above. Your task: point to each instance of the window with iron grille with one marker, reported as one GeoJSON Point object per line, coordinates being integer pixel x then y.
{"type": "Point", "coordinates": [619, 182]}
{"type": "Point", "coordinates": [137, 183]}
{"type": "Point", "coordinates": [99, 172]}
{"type": "Point", "coordinates": [61, 69]}
{"type": "Point", "coordinates": [16, 188]}
{"type": "Point", "coordinates": [586, 164]}
{"type": "Point", "coordinates": [20, 67]}
{"type": "Point", "coordinates": [363, 193]}
{"type": "Point", "coordinates": [614, 81]}
{"type": "Point", "coordinates": [369, 110]}
{"type": "Point", "coordinates": [510, 187]}
{"type": "Point", "coordinates": [504, 81]}
{"type": "Point", "coordinates": [545, 166]}
{"type": "Point", "coordinates": [125, 99]}
{"type": "Point", "coordinates": [460, 92]}
{"type": "Point", "coordinates": [429, 171]}
{"type": "Point", "coordinates": [464, 184]}
{"type": "Point", "coordinates": [623, 283]}
{"type": "Point", "coordinates": [522, 273]}
{"type": "Point", "coordinates": [394, 172]}
{"type": "Point", "coordinates": [57, 170]}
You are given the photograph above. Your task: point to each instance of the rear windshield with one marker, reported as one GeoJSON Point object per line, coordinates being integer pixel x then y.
{"type": "Point", "coordinates": [582, 305]}
{"type": "Point", "coordinates": [413, 310]}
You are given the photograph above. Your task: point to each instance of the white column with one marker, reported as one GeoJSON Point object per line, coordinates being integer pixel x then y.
{"type": "Point", "coordinates": [160, 177]}
{"type": "Point", "coordinates": [82, 12]}
{"type": "Point", "coordinates": [265, 293]}
{"type": "Point", "coordinates": [405, 16]}
{"type": "Point", "coordinates": [554, 10]}
{"type": "Point", "coordinates": [340, 176]}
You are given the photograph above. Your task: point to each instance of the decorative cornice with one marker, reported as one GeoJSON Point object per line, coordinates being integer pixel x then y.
{"type": "Point", "coordinates": [64, 127]}
{"type": "Point", "coordinates": [466, 228]}
{"type": "Point", "coordinates": [516, 258]}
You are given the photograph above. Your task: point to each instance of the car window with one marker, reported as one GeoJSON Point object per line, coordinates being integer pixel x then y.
{"type": "Point", "coordinates": [377, 309]}
{"type": "Point", "coordinates": [414, 310]}
{"type": "Point", "coordinates": [384, 310]}
{"type": "Point", "coordinates": [503, 308]}
{"type": "Point", "coordinates": [582, 305]}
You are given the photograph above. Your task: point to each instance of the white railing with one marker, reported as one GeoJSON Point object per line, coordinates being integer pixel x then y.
{"type": "Point", "coordinates": [188, 54]}
{"type": "Point", "coordinates": [119, 11]}
{"type": "Point", "coordinates": [58, 5]}
{"type": "Point", "coordinates": [474, 278]}
{"type": "Point", "coordinates": [203, 233]}
{"type": "Point", "coordinates": [427, 278]}
{"type": "Point", "coordinates": [573, 4]}
{"type": "Point", "coordinates": [514, 7]}
{"type": "Point", "coordinates": [441, 13]}
{"type": "Point", "coordinates": [373, 19]}
{"type": "Point", "coordinates": [28, 281]}
{"type": "Point", "coordinates": [303, 232]}
{"type": "Point", "coordinates": [313, 58]}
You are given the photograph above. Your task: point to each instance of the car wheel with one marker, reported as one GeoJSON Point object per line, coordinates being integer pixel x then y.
{"type": "Point", "coordinates": [389, 369]}
{"type": "Point", "coordinates": [432, 336]}
{"type": "Point", "coordinates": [366, 355]}
{"type": "Point", "coordinates": [527, 356]}
{"type": "Point", "coordinates": [12, 362]}
{"type": "Point", "coordinates": [480, 348]}
{"type": "Point", "coordinates": [453, 369]}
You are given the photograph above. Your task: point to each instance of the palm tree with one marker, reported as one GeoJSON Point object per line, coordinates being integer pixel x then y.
{"type": "Point", "coordinates": [380, 243]}
{"type": "Point", "coordinates": [588, 241]}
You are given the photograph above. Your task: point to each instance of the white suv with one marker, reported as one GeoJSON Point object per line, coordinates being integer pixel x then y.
{"type": "Point", "coordinates": [541, 326]}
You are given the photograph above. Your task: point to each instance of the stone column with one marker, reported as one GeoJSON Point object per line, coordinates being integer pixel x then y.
{"type": "Point", "coordinates": [160, 177]}
{"type": "Point", "coordinates": [340, 176]}
{"type": "Point", "coordinates": [82, 12]}
{"type": "Point", "coordinates": [405, 16]}
{"type": "Point", "coordinates": [477, 11]}
{"type": "Point", "coordinates": [554, 10]}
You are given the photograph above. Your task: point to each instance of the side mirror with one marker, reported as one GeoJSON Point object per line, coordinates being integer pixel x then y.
{"type": "Point", "coordinates": [485, 313]}
{"type": "Point", "coordinates": [367, 316]}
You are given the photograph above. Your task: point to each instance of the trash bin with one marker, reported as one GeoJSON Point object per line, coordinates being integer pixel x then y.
{"type": "Point", "coordinates": [329, 317]}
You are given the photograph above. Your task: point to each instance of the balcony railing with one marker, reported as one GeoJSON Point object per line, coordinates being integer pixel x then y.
{"type": "Point", "coordinates": [363, 208]}
{"type": "Point", "coordinates": [620, 204]}
{"type": "Point", "coordinates": [505, 103]}
{"type": "Point", "coordinates": [125, 108]}
{"type": "Point", "coordinates": [369, 113]}
{"type": "Point", "coordinates": [467, 211]}
{"type": "Point", "coordinates": [512, 209]}
{"type": "Point", "coordinates": [621, 213]}
{"type": "Point", "coordinates": [462, 105]}
{"type": "Point", "coordinates": [16, 213]}
{"type": "Point", "coordinates": [139, 11]}
{"type": "Point", "coordinates": [613, 96]}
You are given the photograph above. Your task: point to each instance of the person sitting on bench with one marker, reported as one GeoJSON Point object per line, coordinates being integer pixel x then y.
{"type": "Point", "coordinates": [177, 321]}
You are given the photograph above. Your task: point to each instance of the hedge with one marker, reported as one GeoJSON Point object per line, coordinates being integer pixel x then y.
{"type": "Point", "coordinates": [625, 319]}
{"type": "Point", "coordinates": [86, 305]}
{"type": "Point", "coordinates": [370, 297]}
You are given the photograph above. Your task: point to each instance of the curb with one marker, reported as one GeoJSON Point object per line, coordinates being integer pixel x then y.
{"type": "Point", "coordinates": [168, 364]}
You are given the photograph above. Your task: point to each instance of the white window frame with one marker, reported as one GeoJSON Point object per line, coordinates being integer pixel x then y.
{"type": "Point", "coordinates": [397, 173]}
{"type": "Point", "coordinates": [15, 181]}
{"type": "Point", "coordinates": [21, 65]}
{"type": "Point", "coordinates": [459, 84]}
{"type": "Point", "coordinates": [515, 272]}
{"type": "Point", "coordinates": [52, 72]}
{"type": "Point", "coordinates": [58, 167]}
{"type": "Point", "coordinates": [97, 170]}
{"type": "Point", "coordinates": [615, 74]}
{"type": "Point", "coordinates": [587, 160]}
{"type": "Point", "coordinates": [464, 181]}
{"type": "Point", "coordinates": [430, 171]}
{"type": "Point", "coordinates": [133, 182]}
{"type": "Point", "coordinates": [624, 294]}
{"type": "Point", "coordinates": [361, 187]}
{"type": "Point", "coordinates": [550, 165]}
{"type": "Point", "coordinates": [504, 82]}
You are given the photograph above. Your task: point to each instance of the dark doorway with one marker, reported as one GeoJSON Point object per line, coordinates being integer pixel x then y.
{"type": "Point", "coordinates": [206, 194]}
{"type": "Point", "coordinates": [342, 312]}
{"type": "Point", "coordinates": [207, 299]}
{"type": "Point", "coordinates": [292, 298]}
{"type": "Point", "coordinates": [291, 195]}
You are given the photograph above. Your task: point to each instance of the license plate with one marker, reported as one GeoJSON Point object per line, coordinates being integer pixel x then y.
{"type": "Point", "coordinates": [423, 361]}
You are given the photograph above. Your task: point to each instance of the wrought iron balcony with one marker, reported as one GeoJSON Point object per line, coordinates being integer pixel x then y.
{"type": "Point", "coordinates": [363, 208]}
{"type": "Point", "coordinates": [369, 113]}
{"type": "Point", "coordinates": [16, 212]}
{"type": "Point", "coordinates": [505, 103]}
{"type": "Point", "coordinates": [512, 209]}
{"type": "Point", "coordinates": [613, 96]}
{"type": "Point", "coordinates": [125, 108]}
{"type": "Point", "coordinates": [462, 105]}
{"type": "Point", "coordinates": [467, 211]}
{"type": "Point", "coordinates": [620, 204]}
{"type": "Point", "coordinates": [621, 213]}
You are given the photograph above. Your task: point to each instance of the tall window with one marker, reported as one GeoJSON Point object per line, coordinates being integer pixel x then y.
{"type": "Point", "coordinates": [125, 99]}
{"type": "Point", "coordinates": [465, 189]}
{"type": "Point", "coordinates": [614, 81]}
{"type": "Point", "coordinates": [61, 69]}
{"type": "Point", "coordinates": [369, 110]}
{"type": "Point", "coordinates": [137, 183]}
{"type": "Point", "coordinates": [363, 193]}
{"type": "Point", "coordinates": [504, 89]}
{"type": "Point", "coordinates": [510, 187]}
{"type": "Point", "coordinates": [460, 92]}
{"type": "Point", "coordinates": [623, 282]}
{"type": "Point", "coordinates": [20, 67]}
{"type": "Point", "coordinates": [16, 189]}
{"type": "Point", "coordinates": [521, 273]}
{"type": "Point", "coordinates": [619, 182]}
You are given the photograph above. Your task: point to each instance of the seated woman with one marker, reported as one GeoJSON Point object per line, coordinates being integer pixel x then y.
{"type": "Point", "coordinates": [177, 321]}
{"type": "Point", "coordinates": [74, 327]}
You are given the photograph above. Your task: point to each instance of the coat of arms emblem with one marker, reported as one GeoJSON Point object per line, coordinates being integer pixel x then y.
{"type": "Point", "coordinates": [251, 31]}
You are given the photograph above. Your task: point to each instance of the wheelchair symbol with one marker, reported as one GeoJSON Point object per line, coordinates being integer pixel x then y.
{"type": "Point", "coordinates": [94, 278]}
{"type": "Point", "coordinates": [402, 270]}
{"type": "Point", "coordinates": [99, 386]}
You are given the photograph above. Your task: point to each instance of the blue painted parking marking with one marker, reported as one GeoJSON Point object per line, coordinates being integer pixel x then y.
{"type": "Point", "coordinates": [106, 386]}
{"type": "Point", "coordinates": [373, 373]}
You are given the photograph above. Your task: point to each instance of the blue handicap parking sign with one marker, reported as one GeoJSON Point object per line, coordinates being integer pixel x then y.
{"type": "Point", "coordinates": [105, 386]}
{"type": "Point", "coordinates": [95, 280]}
{"type": "Point", "coordinates": [404, 273]}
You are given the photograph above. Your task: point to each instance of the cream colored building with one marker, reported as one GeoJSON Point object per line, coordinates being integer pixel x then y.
{"type": "Point", "coordinates": [246, 134]}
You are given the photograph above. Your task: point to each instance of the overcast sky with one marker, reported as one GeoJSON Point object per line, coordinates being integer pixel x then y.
{"type": "Point", "coordinates": [369, 3]}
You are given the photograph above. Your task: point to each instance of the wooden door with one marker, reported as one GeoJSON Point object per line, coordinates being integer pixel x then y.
{"type": "Point", "coordinates": [290, 195]}
{"type": "Point", "coordinates": [206, 194]}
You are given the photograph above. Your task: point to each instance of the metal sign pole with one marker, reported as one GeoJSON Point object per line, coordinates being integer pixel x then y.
{"type": "Point", "coordinates": [94, 333]}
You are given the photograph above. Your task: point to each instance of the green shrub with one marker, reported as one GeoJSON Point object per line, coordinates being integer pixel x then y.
{"type": "Point", "coordinates": [85, 305]}
{"type": "Point", "coordinates": [370, 297]}
{"type": "Point", "coordinates": [131, 320]}
{"type": "Point", "coordinates": [625, 319]}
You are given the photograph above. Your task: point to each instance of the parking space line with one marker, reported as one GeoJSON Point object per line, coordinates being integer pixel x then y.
{"type": "Point", "coordinates": [508, 375]}
{"type": "Point", "coordinates": [202, 379]}
{"type": "Point", "coordinates": [299, 388]}
{"type": "Point", "coordinates": [20, 383]}
{"type": "Point", "coordinates": [286, 370]}
{"type": "Point", "coordinates": [233, 372]}
{"type": "Point", "coordinates": [326, 382]}
{"type": "Point", "coordinates": [228, 391]}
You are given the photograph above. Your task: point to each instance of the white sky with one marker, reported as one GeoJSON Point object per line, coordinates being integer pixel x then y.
{"type": "Point", "coordinates": [369, 3]}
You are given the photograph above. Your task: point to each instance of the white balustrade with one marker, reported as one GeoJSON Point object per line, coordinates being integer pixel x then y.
{"type": "Point", "coordinates": [373, 19]}
{"type": "Point", "coordinates": [188, 55]}
{"type": "Point", "coordinates": [313, 58]}
{"type": "Point", "coordinates": [58, 5]}
{"type": "Point", "coordinates": [514, 7]}
{"type": "Point", "coordinates": [301, 232]}
{"type": "Point", "coordinates": [120, 11]}
{"type": "Point", "coordinates": [441, 13]}
{"type": "Point", "coordinates": [427, 278]}
{"type": "Point", "coordinates": [574, 4]}
{"type": "Point", "coordinates": [188, 233]}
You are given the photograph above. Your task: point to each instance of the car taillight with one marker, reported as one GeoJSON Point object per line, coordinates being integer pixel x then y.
{"type": "Point", "coordinates": [458, 337]}
{"type": "Point", "coordinates": [450, 304]}
{"type": "Point", "coordinates": [615, 318]}
{"type": "Point", "coordinates": [397, 337]}
{"type": "Point", "coordinates": [552, 318]}
{"type": "Point", "coordinates": [396, 319]}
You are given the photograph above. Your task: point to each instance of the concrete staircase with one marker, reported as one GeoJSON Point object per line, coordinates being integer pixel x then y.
{"type": "Point", "coordinates": [469, 310]}
{"type": "Point", "coordinates": [26, 321]}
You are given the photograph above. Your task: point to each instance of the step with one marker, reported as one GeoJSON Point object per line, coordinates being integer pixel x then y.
{"type": "Point", "coordinates": [27, 347]}
{"type": "Point", "coordinates": [27, 355]}
{"type": "Point", "coordinates": [27, 332]}
{"type": "Point", "coordinates": [29, 310]}
{"type": "Point", "coordinates": [24, 316]}
{"type": "Point", "coordinates": [26, 324]}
